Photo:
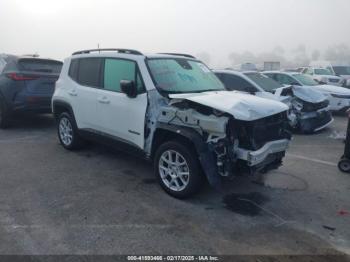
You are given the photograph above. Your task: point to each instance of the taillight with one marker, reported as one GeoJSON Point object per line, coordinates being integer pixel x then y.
{"type": "Point", "coordinates": [20, 77]}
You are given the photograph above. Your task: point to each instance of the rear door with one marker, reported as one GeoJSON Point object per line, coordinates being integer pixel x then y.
{"type": "Point", "coordinates": [120, 116]}
{"type": "Point", "coordinates": [85, 84]}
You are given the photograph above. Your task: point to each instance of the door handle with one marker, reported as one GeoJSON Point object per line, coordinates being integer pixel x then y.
{"type": "Point", "coordinates": [103, 100]}
{"type": "Point", "coordinates": [73, 92]}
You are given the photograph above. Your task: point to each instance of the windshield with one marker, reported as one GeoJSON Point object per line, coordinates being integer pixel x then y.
{"type": "Point", "coordinates": [181, 75]}
{"type": "Point", "coordinates": [342, 70]}
{"type": "Point", "coordinates": [264, 82]}
{"type": "Point", "coordinates": [322, 71]}
{"type": "Point", "coordinates": [305, 80]}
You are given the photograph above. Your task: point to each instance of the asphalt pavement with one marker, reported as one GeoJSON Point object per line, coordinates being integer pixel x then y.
{"type": "Point", "coordinates": [101, 201]}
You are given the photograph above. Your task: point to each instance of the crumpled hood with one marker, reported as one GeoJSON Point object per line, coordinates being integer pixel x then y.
{"type": "Point", "coordinates": [332, 89]}
{"type": "Point", "coordinates": [267, 95]}
{"type": "Point", "coordinates": [240, 105]}
{"type": "Point", "coordinates": [308, 94]}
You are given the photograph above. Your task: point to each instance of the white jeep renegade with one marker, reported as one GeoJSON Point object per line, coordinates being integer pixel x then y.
{"type": "Point", "coordinates": [171, 109]}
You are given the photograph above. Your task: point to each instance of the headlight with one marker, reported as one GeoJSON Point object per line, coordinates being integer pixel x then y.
{"type": "Point", "coordinates": [341, 96]}
{"type": "Point", "coordinates": [324, 80]}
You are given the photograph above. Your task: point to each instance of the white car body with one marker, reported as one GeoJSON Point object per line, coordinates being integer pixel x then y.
{"type": "Point", "coordinates": [319, 117]}
{"type": "Point", "coordinates": [339, 97]}
{"type": "Point", "coordinates": [340, 69]}
{"type": "Point", "coordinates": [201, 117]}
{"type": "Point", "coordinates": [323, 78]}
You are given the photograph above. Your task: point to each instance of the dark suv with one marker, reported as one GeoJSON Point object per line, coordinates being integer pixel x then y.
{"type": "Point", "coordinates": [27, 84]}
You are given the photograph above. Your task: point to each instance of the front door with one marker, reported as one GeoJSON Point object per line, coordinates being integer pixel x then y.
{"type": "Point", "coordinates": [119, 115]}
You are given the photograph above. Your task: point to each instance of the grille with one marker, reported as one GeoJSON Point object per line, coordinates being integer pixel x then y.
{"type": "Point", "coordinates": [255, 134]}
{"type": "Point", "coordinates": [333, 80]}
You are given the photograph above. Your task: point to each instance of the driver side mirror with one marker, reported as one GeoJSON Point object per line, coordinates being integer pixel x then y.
{"type": "Point", "coordinates": [251, 90]}
{"type": "Point", "coordinates": [129, 88]}
{"type": "Point", "coordinates": [296, 84]}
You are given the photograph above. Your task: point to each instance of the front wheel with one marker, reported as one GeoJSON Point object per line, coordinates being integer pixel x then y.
{"type": "Point", "coordinates": [177, 169]}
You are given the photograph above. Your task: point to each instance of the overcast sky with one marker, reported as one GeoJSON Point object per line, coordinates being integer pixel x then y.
{"type": "Point", "coordinates": [56, 28]}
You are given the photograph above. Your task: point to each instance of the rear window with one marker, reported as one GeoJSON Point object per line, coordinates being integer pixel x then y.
{"type": "Point", "coordinates": [40, 65]}
{"type": "Point", "coordinates": [89, 72]}
{"type": "Point", "coordinates": [73, 69]}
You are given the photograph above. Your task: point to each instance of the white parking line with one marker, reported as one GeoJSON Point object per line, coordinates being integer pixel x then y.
{"type": "Point", "coordinates": [313, 160]}
{"type": "Point", "coordinates": [102, 226]}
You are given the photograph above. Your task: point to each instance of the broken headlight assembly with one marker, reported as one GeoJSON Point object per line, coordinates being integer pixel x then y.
{"type": "Point", "coordinates": [297, 104]}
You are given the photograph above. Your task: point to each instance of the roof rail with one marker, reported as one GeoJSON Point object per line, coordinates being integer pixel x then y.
{"type": "Point", "coordinates": [178, 54]}
{"type": "Point", "coordinates": [119, 50]}
{"type": "Point", "coordinates": [32, 55]}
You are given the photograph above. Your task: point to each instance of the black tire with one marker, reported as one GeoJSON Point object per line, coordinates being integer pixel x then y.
{"type": "Point", "coordinates": [4, 114]}
{"type": "Point", "coordinates": [195, 178]}
{"type": "Point", "coordinates": [76, 142]}
{"type": "Point", "coordinates": [344, 165]}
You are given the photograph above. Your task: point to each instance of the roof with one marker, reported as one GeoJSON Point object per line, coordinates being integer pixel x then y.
{"type": "Point", "coordinates": [130, 52]}
{"type": "Point", "coordinates": [228, 71]}
{"type": "Point", "coordinates": [281, 72]}
{"type": "Point", "coordinates": [235, 72]}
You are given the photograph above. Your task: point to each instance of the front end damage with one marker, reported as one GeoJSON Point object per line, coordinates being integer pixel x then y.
{"type": "Point", "coordinates": [309, 110]}
{"type": "Point", "coordinates": [226, 146]}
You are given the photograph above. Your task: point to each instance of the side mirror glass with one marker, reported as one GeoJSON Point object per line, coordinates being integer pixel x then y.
{"type": "Point", "coordinates": [129, 88]}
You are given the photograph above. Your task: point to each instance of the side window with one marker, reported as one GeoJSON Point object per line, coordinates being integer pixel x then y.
{"type": "Point", "coordinates": [116, 70]}
{"type": "Point", "coordinates": [89, 72]}
{"type": "Point", "coordinates": [73, 69]}
{"type": "Point", "coordinates": [272, 76]}
{"type": "Point", "coordinates": [284, 79]}
{"type": "Point", "coordinates": [233, 82]}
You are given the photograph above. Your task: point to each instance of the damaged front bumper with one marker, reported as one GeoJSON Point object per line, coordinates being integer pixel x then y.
{"type": "Point", "coordinates": [257, 157]}
{"type": "Point", "coordinates": [315, 121]}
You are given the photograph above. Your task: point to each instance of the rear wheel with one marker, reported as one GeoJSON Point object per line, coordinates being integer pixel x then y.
{"type": "Point", "coordinates": [4, 115]}
{"type": "Point", "coordinates": [177, 169]}
{"type": "Point", "coordinates": [68, 132]}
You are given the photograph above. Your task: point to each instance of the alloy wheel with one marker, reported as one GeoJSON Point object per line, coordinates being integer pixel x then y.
{"type": "Point", "coordinates": [174, 170]}
{"type": "Point", "coordinates": [66, 131]}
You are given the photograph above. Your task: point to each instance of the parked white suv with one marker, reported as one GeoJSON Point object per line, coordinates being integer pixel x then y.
{"type": "Point", "coordinates": [340, 69]}
{"type": "Point", "coordinates": [171, 109]}
{"type": "Point", "coordinates": [323, 76]}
